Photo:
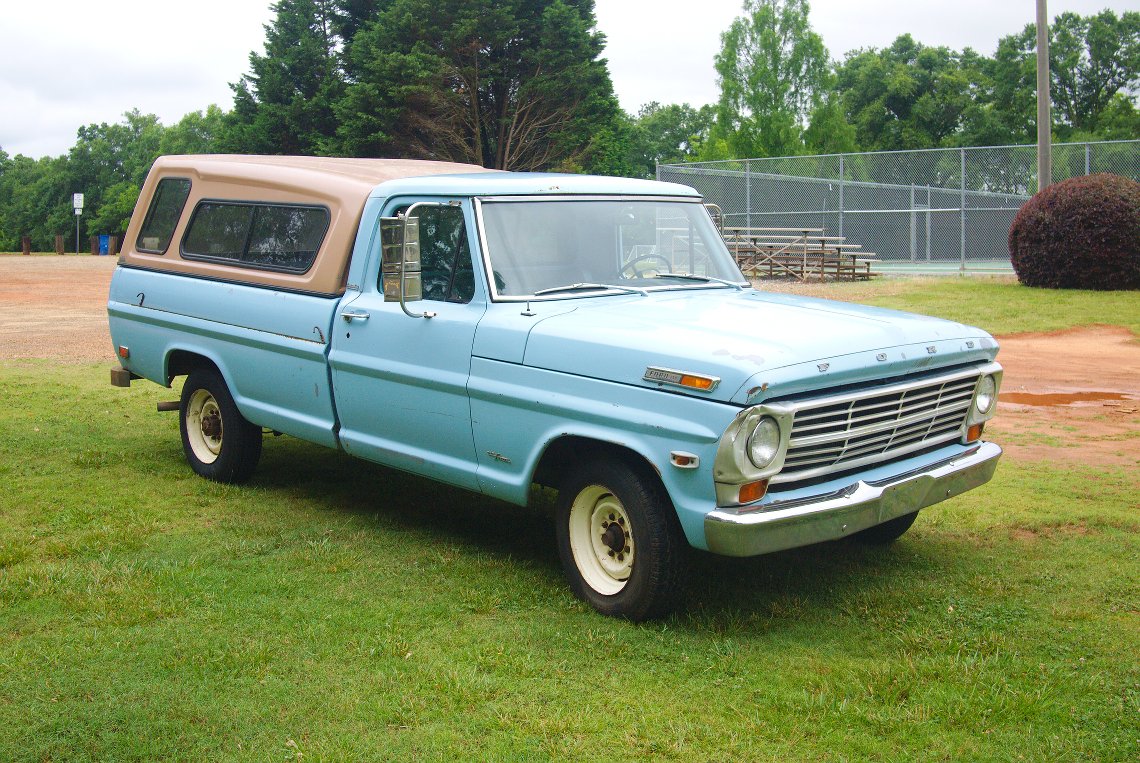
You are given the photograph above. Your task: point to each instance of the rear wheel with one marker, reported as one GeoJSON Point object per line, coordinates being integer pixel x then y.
{"type": "Point", "coordinates": [888, 531]}
{"type": "Point", "coordinates": [219, 443]}
{"type": "Point", "coordinates": [621, 547]}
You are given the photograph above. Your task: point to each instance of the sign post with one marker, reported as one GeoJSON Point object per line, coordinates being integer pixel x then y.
{"type": "Point", "coordinates": [77, 203]}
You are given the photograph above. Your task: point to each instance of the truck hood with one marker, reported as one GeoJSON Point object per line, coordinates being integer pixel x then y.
{"type": "Point", "coordinates": [759, 345]}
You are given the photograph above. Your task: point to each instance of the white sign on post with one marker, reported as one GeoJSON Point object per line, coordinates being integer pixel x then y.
{"type": "Point", "coordinates": [77, 201]}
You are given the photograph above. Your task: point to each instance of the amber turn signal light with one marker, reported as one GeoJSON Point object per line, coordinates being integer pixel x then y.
{"type": "Point", "coordinates": [696, 382]}
{"type": "Point", "coordinates": [974, 433]}
{"type": "Point", "coordinates": [753, 491]}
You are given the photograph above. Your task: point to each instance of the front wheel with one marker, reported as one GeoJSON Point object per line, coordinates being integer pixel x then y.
{"type": "Point", "coordinates": [219, 443]}
{"type": "Point", "coordinates": [619, 541]}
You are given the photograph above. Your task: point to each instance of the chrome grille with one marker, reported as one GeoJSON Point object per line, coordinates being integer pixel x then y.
{"type": "Point", "coordinates": [875, 425]}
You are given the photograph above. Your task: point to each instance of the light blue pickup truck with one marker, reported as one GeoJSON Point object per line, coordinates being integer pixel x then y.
{"type": "Point", "coordinates": [493, 330]}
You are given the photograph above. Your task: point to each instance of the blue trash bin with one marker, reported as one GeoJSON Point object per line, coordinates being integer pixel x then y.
{"type": "Point", "coordinates": [104, 244]}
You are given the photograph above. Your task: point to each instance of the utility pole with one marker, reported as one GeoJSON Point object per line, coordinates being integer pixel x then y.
{"type": "Point", "coordinates": [1044, 120]}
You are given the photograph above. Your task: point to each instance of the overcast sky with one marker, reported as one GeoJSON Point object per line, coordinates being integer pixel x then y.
{"type": "Point", "coordinates": [68, 63]}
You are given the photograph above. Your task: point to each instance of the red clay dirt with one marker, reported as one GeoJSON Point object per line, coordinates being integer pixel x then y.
{"type": "Point", "coordinates": [1068, 397]}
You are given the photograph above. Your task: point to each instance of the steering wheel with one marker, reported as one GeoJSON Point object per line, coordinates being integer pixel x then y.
{"type": "Point", "coordinates": [633, 273]}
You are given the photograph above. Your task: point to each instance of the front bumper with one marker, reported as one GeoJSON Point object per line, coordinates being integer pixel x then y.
{"type": "Point", "coordinates": [752, 530]}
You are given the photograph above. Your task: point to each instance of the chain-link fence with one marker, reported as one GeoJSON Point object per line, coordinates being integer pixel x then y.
{"type": "Point", "coordinates": [935, 207]}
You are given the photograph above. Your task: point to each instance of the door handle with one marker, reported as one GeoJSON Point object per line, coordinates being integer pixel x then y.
{"type": "Point", "coordinates": [349, 315]}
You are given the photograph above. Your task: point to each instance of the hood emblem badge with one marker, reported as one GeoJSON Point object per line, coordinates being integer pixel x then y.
{"type": "Point", "coordinates": [686, 379]}
{"type": "Point", "coordinates": [931, 350]}
{"type": "Point", "coordinates": [970, 345]}
{"type": "Point", "coordinates": [823, 367]}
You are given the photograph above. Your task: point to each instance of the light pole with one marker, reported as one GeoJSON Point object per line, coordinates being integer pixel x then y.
{"type": "Point", "coordinates": [1044, 120]}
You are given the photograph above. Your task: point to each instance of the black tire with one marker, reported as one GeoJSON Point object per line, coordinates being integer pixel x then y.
{"type": "Point", "coordinates": [217, 440]}
{"type": "Point", "coordinates": [887, 532]}
{"type": "Point", "coordinates": [621, 546]}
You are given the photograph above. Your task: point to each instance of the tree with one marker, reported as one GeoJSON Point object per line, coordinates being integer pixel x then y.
{"type": "Point", "coordinates": [668, 134]}
{"type": "Point", "coordinates": [511, 84]}
{"type": "Point", "coordinates": [285, 104]}
{"type": "Point", "coordinates": [772, 71]}
{"type": "Point", "coordinates": [196, 133]}
{"type": "Point", "coordinates": [35, 201]}
{"type": "Point", "coordinates": [911, 96]}
{"type": "Point", "coordinates": [1092, 61]}
{"type": "Point", "coordinates": [828, 131]}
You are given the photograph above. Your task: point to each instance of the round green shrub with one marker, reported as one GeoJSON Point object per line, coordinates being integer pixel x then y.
{"type": "Point", "coordinates": [1082, 233]}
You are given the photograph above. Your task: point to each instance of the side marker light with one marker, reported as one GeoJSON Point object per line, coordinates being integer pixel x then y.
{"type": "Point", "coordinates": [753, 491]}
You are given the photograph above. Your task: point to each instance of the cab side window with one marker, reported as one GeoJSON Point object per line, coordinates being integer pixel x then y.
{"type": "Point", "coordinates": [445, 255]}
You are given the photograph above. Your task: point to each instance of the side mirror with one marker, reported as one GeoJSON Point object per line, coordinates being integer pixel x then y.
{"type": "Point", "coordinates": [400, 258]}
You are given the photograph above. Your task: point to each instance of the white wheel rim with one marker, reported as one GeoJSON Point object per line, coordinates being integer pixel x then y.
{"type": "Point", "coordinates": [204, 426]}
{"type": "Point", "coordinates": [603, 556]}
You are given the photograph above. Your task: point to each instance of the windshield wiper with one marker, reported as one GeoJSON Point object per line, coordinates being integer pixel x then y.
{"type": "Point", "coordinates": [705, 279]}
{"type": "Point", "coordinates": [591, 287]}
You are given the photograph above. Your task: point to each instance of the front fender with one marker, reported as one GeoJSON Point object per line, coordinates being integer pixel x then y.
{"type": "Point", "coordinates": [519, 411]}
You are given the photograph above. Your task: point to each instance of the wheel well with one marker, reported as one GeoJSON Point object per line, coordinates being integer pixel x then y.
{"type": "Point", "coordinates": [569, 451]}
{"type": "Point", "coordinates": [182, 362]}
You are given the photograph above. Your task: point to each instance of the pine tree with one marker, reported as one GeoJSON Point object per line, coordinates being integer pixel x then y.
{"type": "Point", "coordinates": [285, 104]}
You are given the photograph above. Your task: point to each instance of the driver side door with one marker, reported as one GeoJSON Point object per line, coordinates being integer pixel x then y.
{"type": "Point", "coordinates": [401, 382]}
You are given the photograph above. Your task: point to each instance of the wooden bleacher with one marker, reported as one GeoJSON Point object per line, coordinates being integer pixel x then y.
{"type": "Point", "coordinates": [801, 253]}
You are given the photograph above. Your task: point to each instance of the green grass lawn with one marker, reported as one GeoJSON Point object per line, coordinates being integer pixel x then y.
{"type": "Point", "coordinates": [336, 610]}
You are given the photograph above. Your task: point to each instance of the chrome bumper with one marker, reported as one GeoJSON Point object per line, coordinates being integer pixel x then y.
{"type": "Point", "coordinates": [752, 530]}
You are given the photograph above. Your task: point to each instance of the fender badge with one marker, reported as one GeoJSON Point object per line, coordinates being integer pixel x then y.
{"type": "Point", "coordinates": [881, 357]}
{"type": "Point", "coordinates": [931, 350]}
{"type": "Point", "coordinates": [823, 367]}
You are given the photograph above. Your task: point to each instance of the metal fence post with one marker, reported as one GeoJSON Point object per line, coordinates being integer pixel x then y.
{"type": "Point", "coordinates": [1088, 159]}
{"type": "Point", "coordinates": [962, 205]}
{"type": "Point", "coordinates": [747, 193]}
{"type": "Point", "coordinates": [928, 223]}
{"type": "Point", "coordinates": [913, 232]}
{"type": "Point", "coordinates": [842, 179]}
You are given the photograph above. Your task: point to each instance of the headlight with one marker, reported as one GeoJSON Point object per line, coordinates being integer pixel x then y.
{"type": "Point", "coordinates": [764, 442]}
{"type": "Point", "coordinates": [984, 400]}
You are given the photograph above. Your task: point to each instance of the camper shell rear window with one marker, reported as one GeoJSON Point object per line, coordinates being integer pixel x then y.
{"type": "Point", "coordinates": [162, 217]}
{"type": "Point", "coordinates": [282, 237]}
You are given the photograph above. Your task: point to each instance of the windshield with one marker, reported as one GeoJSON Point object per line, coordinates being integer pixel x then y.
{"type": "Point", "coordinates": [574, 247]}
